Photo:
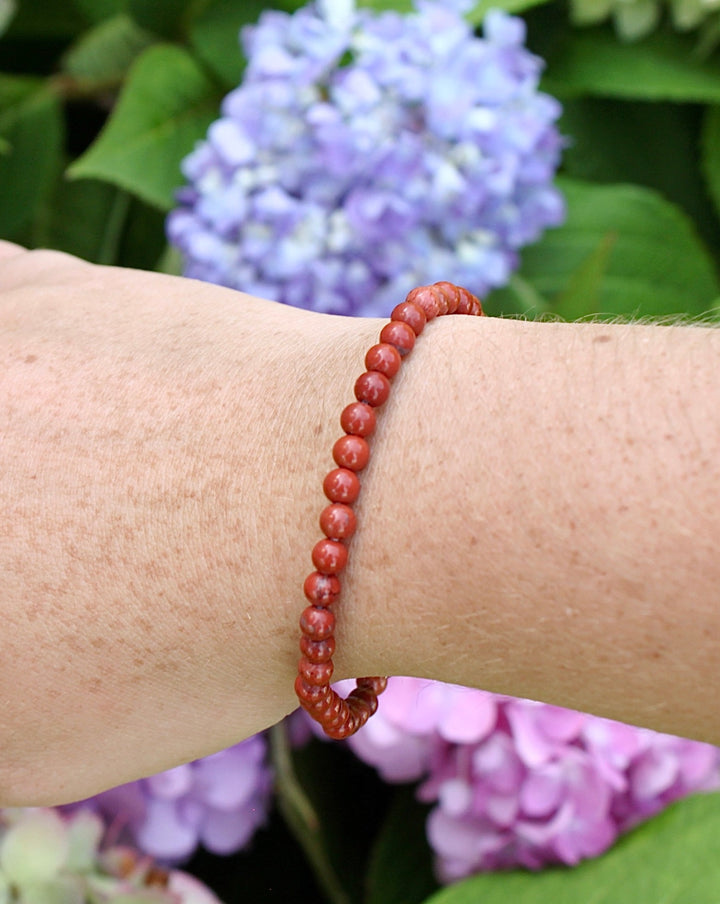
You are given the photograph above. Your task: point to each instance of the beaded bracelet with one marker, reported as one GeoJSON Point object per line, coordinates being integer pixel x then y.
{"type": "Point", "coordinates": [340, 717]}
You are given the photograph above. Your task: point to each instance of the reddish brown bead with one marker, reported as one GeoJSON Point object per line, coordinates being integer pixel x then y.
{"type": "Point", "coordinates": [322, 589]}
{"type": "Point", "coordinates": [341, 712]}
{"type": "Point", "coordinates": [351, 452]}
{"type": "Point", "coordinates": [384, 358]}
{"type": "Point", "coordinates": [329, 556]}
{"type": "Point", "coordinates": [425, 299]}
{"type": "Point", "coordinates": [468, 303]}
{"type": "Point", "coordinates": [376, 685]}
{"type": "Point", "coordinates": [400, 335]}
{"type": "Point", "coordinates": [317, 650]}
{"type": "Point", "coordinates": [451, 294]}
{"type": "Point", "coordinates": [358, 418]}
{"type": "Point", "coordinates": [372, 387]}
{"type": "Point", "coordinates": [309, 693]}
{"type": "Point", "coordinates": [412, 314]}
{"type": "Point", "coordinates": [338, 521]}
{"type": "Point", "coordinates": [329, 710]}
{"type": "Point", "coordinates": [341, 485]}
{"type": "Point", "coordinates": [315, 672]}
{"type": "Point", "coordinates": [317, 623]}
{"type": "Point", "coordinates": [363, 700]}
{"type": "Point", "coordinates": [345, 729]}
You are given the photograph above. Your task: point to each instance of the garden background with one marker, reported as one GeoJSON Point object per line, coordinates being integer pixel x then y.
{"type": "Point", "coordinates": [100, 102]}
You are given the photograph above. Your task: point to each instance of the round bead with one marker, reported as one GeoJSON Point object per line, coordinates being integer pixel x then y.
{"type": "Point", "coordinates": [348, 727]}
{"type": "Point", "coordinates": [425, 300]}
{"type": "Point", "coordinates": [465, 304]}
{"type": "Point", "coordinates": [309, 693]}
{"type": "Point", "coordinates": [351, 452]}
{"type": "Point", "coordinates": [376, 685]}
{"type": "Point", "coordinates": [329, 710]}
{"type": "Point", "coordinates": [317, 650]}
{"type": "Point", "coordinates": [385, 358]}
{"type": "Point", "coordinates": [358, 418]}
{"type": "Point", "coordinates": [317, 623]}
{"type": "Point", "coordinates": [400, 335]}
{"type": "Point", "coordinates": [412, 314]}
{"type": "Point", "coordinates": [372, 387]}
{"type": "Point", "coordinates": [338, 521]}
{"type": "Point", "coordinates": [361, 700]}
{"type": "Point", "coordinates": [341, 485]}
{"type": "Point", "coordinates": [318, 673]}
{"type": "Point", "coordinates": [322, 589]}
{"type": "Point", "coordinates": [329, 556]}
{"type": "Point", "coordinates": [451, 294]}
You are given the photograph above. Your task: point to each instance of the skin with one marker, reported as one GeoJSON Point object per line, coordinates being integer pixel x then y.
{"type": "Point", "coordinates": [540, 517]}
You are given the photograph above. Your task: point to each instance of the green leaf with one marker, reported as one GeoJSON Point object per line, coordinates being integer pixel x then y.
{"type": "Point", "coordinates": [8, 8]}
{"type": "Point", "coordinates": [661, 67]}
{"type": "Point", "coordinates": [215, 36]}
{"type": "Point", "coordinates": [657, 264]}
{"type": "Point", "coordinates": [46, 19]}
{"type": "Point", "coordinates": [82, 218]}
{"type": "Point", "coordinates": [105, 52]}
{"type": "Point", "coordinates": [164, 17]}
{"type": "Point", "coordinates": [672, 859]}
{"type": "Point", "coordinates": [97, 10]}
{"type": "Point", "coordinates": [711, 153]}
{"type": "Point", "coordinates": [166, 105]}
{"type": "Point", "coordinates": [400, 6]}
{"type": "Point", "coordinates": [581, 296]}
{"type": "Point", "coordinates": [400, 866]}
{"type": "Point", "coordinates": [31, 130]}
{"type": "Point", "coordinates": [480, 10]}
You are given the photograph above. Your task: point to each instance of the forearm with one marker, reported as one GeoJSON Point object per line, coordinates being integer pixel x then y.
{"type": "Point", "coordinates": [538, 519]}
{"type": "Point", "coordinates": [541, 518]}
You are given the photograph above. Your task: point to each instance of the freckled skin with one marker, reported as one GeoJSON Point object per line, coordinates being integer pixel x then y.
{"type": "Point", "coordinates": [539, 517]}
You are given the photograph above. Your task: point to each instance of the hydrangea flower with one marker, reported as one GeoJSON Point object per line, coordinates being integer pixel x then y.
{"type": "Point", "coordinates": [515, 783]}
{"type": "Point", "coordinates": [218, 801]}
{"type": "Point", "coordinates": [364, 154]}
{"type": "Point", "coordinates": [47, 857]}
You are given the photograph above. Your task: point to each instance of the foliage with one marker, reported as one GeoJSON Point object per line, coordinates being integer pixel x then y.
{"type": "Point", "coordinates": [100, 100]}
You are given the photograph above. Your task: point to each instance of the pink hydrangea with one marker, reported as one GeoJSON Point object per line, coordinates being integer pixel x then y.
{"type": "Point", "coordinates": [519, 783]}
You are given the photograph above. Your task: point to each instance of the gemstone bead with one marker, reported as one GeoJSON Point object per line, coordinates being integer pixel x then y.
{"type": "Point", "coordinates": [400, 335]}
{"type": "Point", "coordinates": [425, 299]}
{"type": "Point", "coordinates": [322, 589]}
{"type": "Point", "coordinates": [358, 418]}
{"type": "Point", "coordinates": [317, 650]}
{"type": "Point", "coordinates": [329, 556]}
{"type": "Point", "coordinates": [351, 452]}
{"type": "Point", "coordinates": [317, 623]}
{"type": "Point", "coordinates": [385, 358]}
{"type": "Point", "coordinates": [309, 693]}
{"type": "Point", "coordinates": [316, 672]}
{"type": "Point", "coordinates": [451, 294]}
{"type": "Point", "coordinates": [372, 387]}
{"type": "Point", "coordinates": [341, 485]}
{"type": "Point", "coordinates": [412, 314]}
{"type": "Point", "coordinates": [338, 521]}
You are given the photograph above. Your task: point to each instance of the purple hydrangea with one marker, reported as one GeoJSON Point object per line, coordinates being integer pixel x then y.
{"type": "Point", "coordinates": [515, 783]}
{"type": "Point", "coordinates": [366, 153]}
{"type": "Point", "coordinates": [218, 802]}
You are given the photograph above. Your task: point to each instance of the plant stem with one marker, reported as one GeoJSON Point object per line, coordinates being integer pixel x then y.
{"type": "Point", "coordinates": [301, 817]}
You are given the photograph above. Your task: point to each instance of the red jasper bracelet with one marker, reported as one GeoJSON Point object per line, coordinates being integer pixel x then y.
{"type": "Point", "coordinates": [340, 717]}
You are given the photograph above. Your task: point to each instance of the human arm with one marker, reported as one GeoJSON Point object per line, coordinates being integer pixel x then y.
{"type": "Point", "coordinates": [538, 518]}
